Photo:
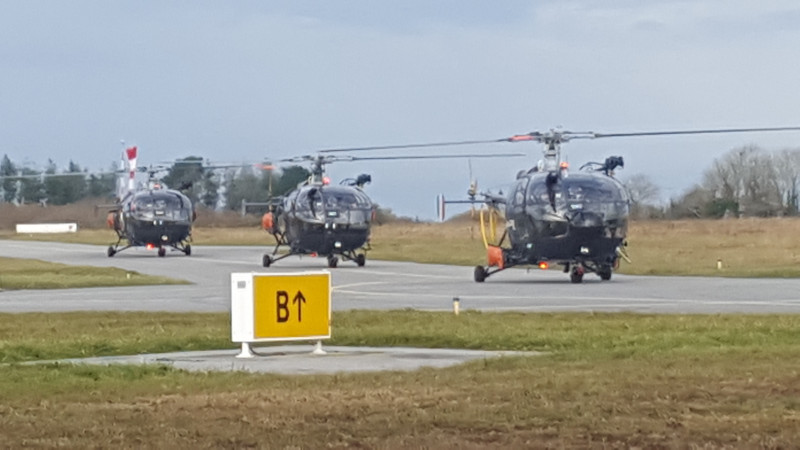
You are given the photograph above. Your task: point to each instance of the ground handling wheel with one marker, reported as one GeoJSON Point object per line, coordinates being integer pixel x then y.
{"type": "Point", "coordinates": [576, 275]}
{"type": "Point", "coordinates": [111, 251]}
{"type": "Point", "coordinates": [162, 251]}
{"type": "Point", "coordinates": [266, 261]}
{"type": "Point", "coordinates": [361, 259]}
{"type": "Point", "coordinates": [332, 261]}
{"type": "Point", "coordinates": [480, 274]}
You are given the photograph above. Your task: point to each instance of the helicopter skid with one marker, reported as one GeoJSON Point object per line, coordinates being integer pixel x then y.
{"type": "Point", "coordinates": [348, 244]}
{"type": "Point", "coordinates": [340, 241]}
{"type": "Point", "coordinates": [597, 255]}
{"type": "Point", "coordinates": [182, 246]}
{"type": "Point", "coordinates": [332, 257]}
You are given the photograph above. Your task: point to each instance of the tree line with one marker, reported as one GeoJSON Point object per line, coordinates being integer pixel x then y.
{"type": "Point", "coordinates": [747, 181]}
{"type": "Point", "coordinates": [215, 187]}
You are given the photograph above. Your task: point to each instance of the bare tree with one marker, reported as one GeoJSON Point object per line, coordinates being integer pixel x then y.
{"type": "Point", "coordinates": [645, 196]}
{"type": "Point", "coordinates": [787, 179]}
{"type": "Point", "coordinates": [693, 203]}
{"type": "Point", "coordinates": [747, 179]}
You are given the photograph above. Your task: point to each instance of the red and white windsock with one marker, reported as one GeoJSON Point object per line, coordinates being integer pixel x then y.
{"type": "Point", "coordinates": [130, 154]}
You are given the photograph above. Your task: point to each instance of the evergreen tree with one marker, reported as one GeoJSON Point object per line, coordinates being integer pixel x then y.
{"type": "Point", "coordinates": [9, 185]}
{"type": "Point", "coordinates": [185, 175]}
{"type": "Point", "coordinates": [210, 189]}
{"type": "Point", "coordinates": [102, 185]}
{"type": "Point", "coordinates": [67, 188]}
{"type": "Point", "coordinates": [244, 186]}
{"type": "Point", "coordinates": [289, 178]}
{"type": "Point", "coordinates": [31, 187]}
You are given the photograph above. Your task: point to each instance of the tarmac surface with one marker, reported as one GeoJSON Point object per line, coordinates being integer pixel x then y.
{"type": "Point", "coordinates": [303, 359]}
{"type": "Point", "coordinates": [385, 285]}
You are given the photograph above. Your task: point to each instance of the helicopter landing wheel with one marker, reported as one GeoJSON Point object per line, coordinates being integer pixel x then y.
{"type": "Point", "coordinates": [162, 251]}
{"type": "Point", "coordinates": [187, 250]}
{"type": "Point", "coordinates": [266, 261]}
{"type": "Point", "coordinates": [576, 276]}
{"type": "Point", "coordinates": [480, 274]}
{"type": "Point", "coordinates": [605, 273]}
{"type": "Point", "coordinates": [332, 261]}
{"type": "Point", "coordinates": [111, 251]}
{"type": "Point", "coordinates": [361, 259]}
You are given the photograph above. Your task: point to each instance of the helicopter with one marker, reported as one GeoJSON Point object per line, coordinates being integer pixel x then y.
{"type": "Point", "coordinates": [322, 219]}
{"type": "Point", "coordinates": [553, 217]}
{"type": "Point", "coordinates": [149, 216]}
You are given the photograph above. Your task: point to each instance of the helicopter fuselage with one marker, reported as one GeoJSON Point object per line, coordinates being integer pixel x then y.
{"type": "Point", "coordinates": [154, 218]}
{"type": "Point", "coordinates": [578, 220]}
{"type": "Point", "coordinates": [327, 238]}
{"type": "Point", "coordinates": [323, 220]}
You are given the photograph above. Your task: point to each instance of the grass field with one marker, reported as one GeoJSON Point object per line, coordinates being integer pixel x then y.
{"type": "Point", "coordinates": [606, 380]}
{"type": "Point", "coordinates": [17, 273]}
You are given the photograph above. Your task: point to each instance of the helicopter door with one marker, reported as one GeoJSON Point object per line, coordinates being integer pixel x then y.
{"type": "Point", "coordinates": [516, 201]}
{"type": "Point", "coordinates": [308, 206]}
{"type": "Point", "coordinates": [517, 221]}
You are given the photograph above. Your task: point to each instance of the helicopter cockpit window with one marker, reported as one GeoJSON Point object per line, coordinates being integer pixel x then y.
{"type": "Point", "coordinates": [308, 200]}
{"type": "Point", "coordinates": [167, 208]}
{"type": "Point", "coordinates": [340, 205]}
{"type": "Point", "coordinates": [309, 204]}
{"type": "Point", "coordinates": [343, 201]}
{"type": "Point", "coordinates": [576, 190]}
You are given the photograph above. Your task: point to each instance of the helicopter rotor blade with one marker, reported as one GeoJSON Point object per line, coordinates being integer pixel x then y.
{"type": "Point", "coordinates": [477, 155]}
{"type": "Point", "coordinates": [401, 146]}
{"type": "Point", "coordinates": [679, 132]}
{"type": "Point", "coordinates": [558, 136]}
{"type": "Point", "coordinates": [298, 159]}
{"type": "Point", "coordinates": [327, 159]}
{"type": "Point", "coordinates": [208, 165]}
{"type": "Point", "coordinates": [44, 175]}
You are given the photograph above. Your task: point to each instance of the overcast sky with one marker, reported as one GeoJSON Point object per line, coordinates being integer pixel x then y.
{"type": "Point", "coordinates": [251, 80]}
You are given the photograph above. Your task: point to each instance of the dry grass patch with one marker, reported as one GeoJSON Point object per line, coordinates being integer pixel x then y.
{"type": "Point", "coordinates": [745, 247]}
{"type": "Point", "coordinates": [85, 213]}
{"type": "Point", "coordinates": [515, 403]}
{"type": "Point", "coordinates": [16, 273]}
{"type": "Point", "coordinates": [91, 214]}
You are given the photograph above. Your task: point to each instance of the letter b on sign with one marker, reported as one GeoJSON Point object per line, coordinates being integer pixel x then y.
{"type": "Point", "coordinates": [282, 303]}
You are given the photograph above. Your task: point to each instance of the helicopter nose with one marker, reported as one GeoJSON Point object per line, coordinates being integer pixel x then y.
{"type": "Point", "coordinates": [586, 219]}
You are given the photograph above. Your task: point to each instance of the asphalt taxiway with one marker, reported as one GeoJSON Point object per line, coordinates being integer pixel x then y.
{"type": "Point", "coordinates": [384, 285]}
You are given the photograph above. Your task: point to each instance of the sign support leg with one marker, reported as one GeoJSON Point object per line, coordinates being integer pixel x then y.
{"type": "Point", "coordinates": [247, 352]}
{"type": "Point", "coordinates": [318, 349]}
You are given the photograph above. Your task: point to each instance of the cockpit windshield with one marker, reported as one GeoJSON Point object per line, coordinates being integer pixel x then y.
{"type": "Point", "coordinates": [341, 204]}
{"type": "Point", "coordinates": [580, 190]}
{"type": "Point", "coordinates": [345, 200]}
{"type": "Point", "coordinates": [163, 206]}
